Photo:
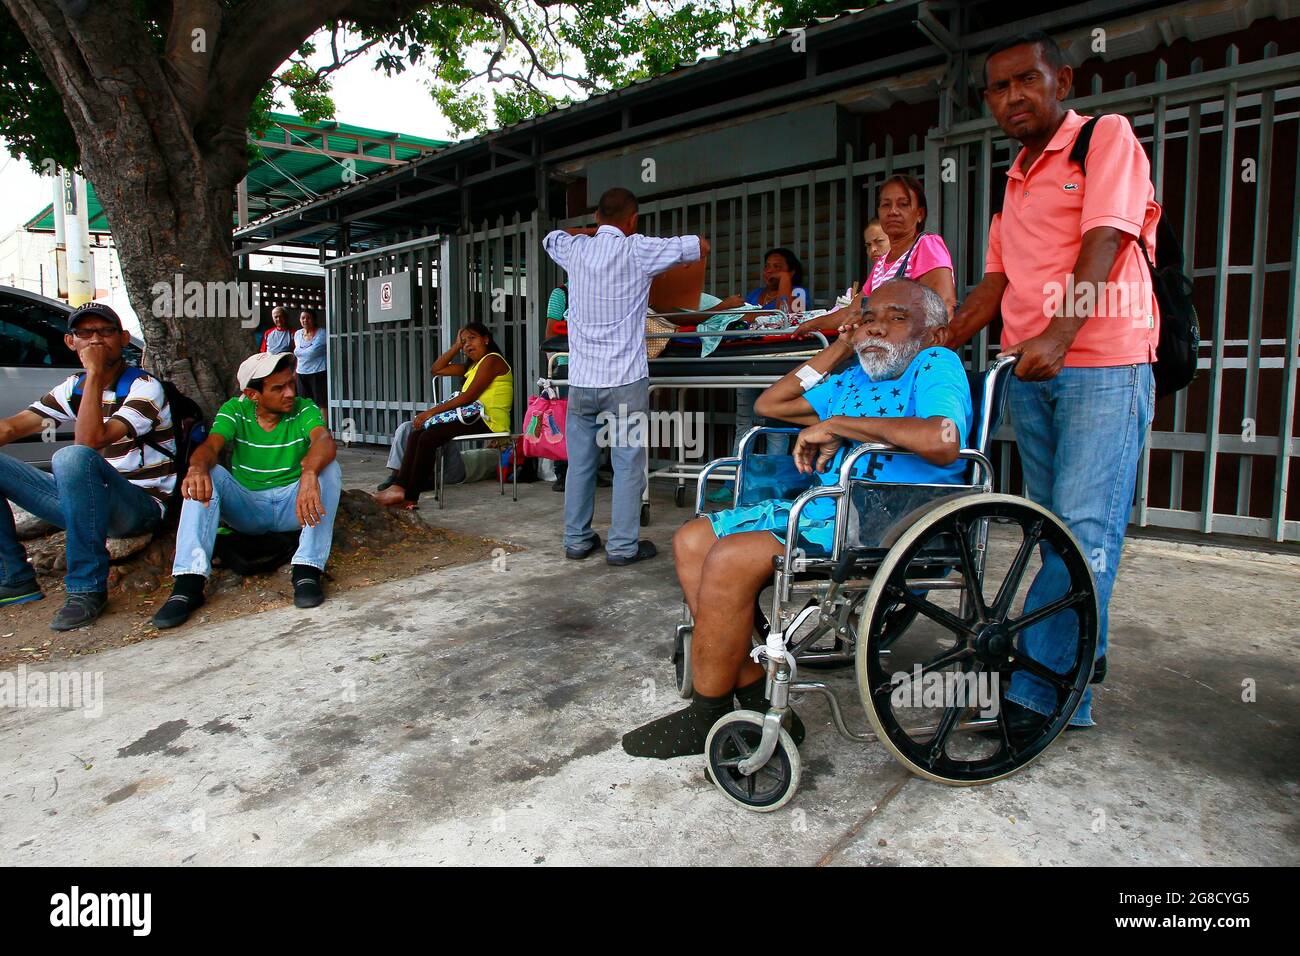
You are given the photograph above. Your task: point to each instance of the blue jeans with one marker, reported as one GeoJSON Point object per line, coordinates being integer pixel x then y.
{"type": "Point", "coordinates": [746, 419]}
{"type": "Point", "coordinates": [84, 495]}
{"type": "Point", "coordinates": [255, 512]}
{"type": "Point", "coordinates": [600, 417]}
{"type": "Point", "coordinates": [1080, 435]}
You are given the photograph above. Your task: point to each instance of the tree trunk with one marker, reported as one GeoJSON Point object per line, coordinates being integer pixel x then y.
{"type": "Point", "coordinates": [179, 237]}
{"type": "Point", "coordinates": [165, 171]}
{"type": "Point", "coordinates": [162, 133]}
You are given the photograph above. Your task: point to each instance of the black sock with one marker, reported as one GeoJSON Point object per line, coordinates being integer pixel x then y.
{"type": "Point", "coordinates": [190, 585]}
{"type": "Point", "coordinates": [301, 571]}
{"type": "Point", "coordinates": [754, 697]}
{"type": "Point", "coordinates": [681, 733]}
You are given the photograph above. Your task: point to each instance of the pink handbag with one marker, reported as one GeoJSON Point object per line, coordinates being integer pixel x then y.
{"type": "Point", "coordinates": [544, 426]}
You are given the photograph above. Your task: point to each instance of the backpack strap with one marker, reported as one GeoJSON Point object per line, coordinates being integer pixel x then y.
{"type": "Point", "coordinates": [1079, 156]}
{"type": "Point", "coordinates": [1079, 151]}
{"type": "Point", "coordinates": [121, 390]}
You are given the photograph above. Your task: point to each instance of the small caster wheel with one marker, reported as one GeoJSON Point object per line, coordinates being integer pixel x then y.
{"type": "Point", "coordinates": [645, 513]}
{"type": "Point", "coordinates": [682, 660]}
{"type": "Point", "coordinates": [735, 737]}
{"type": "Point", "coordinates": [679, 496]}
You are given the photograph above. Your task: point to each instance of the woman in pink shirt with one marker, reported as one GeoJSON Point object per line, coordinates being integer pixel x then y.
{"type": "Point", "coordinates": [913, 253]}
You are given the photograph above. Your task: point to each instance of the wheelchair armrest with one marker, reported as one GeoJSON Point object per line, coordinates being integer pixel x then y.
{"type": "Point", "coordinates": [747, 439]}
{"type": "Point", "coordinates": [966, 454]}
{"type": "Point", "coordinates": [702, 479]}
{"type": "Point", "coordinates": [792, 523]}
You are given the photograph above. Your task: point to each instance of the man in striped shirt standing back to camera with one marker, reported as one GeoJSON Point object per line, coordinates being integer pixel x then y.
{"type": "Point", "coordinates": [610, 267]}
{"type": "Point", "coordinates": [113, 482]}
{"type": "Point", "coordinates": [282, 477]}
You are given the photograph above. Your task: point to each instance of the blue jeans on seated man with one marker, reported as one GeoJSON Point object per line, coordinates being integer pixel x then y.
{"type": "Point", "coordinates": [255, 512]}
{"type": "Point", "coordinates": [1080, 436]}
{"type": "Point", "coordinates": [87, 497]}
{"type": "Point", "coordinates": [605, 417]}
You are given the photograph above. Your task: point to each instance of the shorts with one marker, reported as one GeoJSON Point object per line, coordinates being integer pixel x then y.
{"type": "Point", "coordinates": [816, 534]}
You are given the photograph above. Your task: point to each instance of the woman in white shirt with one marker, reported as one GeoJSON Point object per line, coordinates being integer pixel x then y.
{"type": "Point", "coordinates": [309, 349]}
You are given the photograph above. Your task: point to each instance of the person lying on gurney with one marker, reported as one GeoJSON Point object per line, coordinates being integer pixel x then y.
{"type": "Point", "coordinates": [888, 379]}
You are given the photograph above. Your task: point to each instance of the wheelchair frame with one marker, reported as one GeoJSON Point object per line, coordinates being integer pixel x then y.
{"type": "Point", "coordinates": [850, 587]}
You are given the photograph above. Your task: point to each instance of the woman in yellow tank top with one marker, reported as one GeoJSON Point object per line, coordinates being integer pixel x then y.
{"type": "Point", "coordinates": [482, 405]}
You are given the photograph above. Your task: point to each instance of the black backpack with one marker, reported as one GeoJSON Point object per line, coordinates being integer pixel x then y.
{"type": "Point", "coordinates": [189, 424]}
{"type": "Point", "coordinates": [1180, 331]}
{"type": "Point", "coordinates": [247, 554]}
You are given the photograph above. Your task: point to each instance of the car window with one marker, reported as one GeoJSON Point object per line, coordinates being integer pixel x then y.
{"type": "Point", "coordinates": [31, 337]}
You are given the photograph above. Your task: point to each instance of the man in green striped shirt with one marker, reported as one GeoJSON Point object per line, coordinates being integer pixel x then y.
{"type": "Point", "coordinates": [282, 477]}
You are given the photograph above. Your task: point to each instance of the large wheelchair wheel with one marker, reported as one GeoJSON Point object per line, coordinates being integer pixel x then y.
{"type": "Point", "coordinates": [732, 739]}
{"type": "Point", "coordinates": [924, 687]}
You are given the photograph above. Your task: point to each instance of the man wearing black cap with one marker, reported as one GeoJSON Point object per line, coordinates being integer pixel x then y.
{"type": "Point", "coordinates": [112, 483]}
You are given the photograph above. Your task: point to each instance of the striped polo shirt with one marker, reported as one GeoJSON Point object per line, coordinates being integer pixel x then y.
{"type": "Point", "coordinates": [261, 459]}
{"type": "Point", "coordinates": [144, 411]}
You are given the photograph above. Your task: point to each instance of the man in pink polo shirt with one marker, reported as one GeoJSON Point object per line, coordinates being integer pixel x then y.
{"type": "Point", "coordinates": [1065, 269]}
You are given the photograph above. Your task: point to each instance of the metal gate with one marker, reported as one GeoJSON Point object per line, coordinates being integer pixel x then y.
{"type": "Point", "coordinates": [497, 271]}
{"type": "Point", "coordinates": [1219, 458]}
{"type": "Point", "coordinates": [379, 371]}
{"type": "Point", "coordinates": [1223, 149]}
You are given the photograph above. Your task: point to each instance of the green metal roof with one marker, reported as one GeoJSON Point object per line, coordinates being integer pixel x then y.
{"type": "Point", "coordinates": [299, 161]}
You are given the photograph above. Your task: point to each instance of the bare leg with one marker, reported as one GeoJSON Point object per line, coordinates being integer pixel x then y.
{"type": "Point", "coordinates": [735, 571]}
{"type": "Point", "coordinates": [691, 546]}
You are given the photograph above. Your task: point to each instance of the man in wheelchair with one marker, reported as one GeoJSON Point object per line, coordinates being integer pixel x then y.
{"type": "Point", "coordinates": [887, 379]}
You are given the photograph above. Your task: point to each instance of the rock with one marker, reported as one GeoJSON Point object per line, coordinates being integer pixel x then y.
{"type": "Point", "coordinates": [143, 578]}
{"type": "Point", "coordinates": [44, 552]}
{"type": "Point", "coordinates": [119, 549]}
{"type": "Point", "coordinates": [29, 526]}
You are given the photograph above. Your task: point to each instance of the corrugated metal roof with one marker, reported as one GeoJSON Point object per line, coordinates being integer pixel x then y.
{"type": "Point", "coordinates": [294, 168]}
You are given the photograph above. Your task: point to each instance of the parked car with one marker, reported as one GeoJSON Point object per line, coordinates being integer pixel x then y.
{"type": "Point", "coordinates": [33, 359]}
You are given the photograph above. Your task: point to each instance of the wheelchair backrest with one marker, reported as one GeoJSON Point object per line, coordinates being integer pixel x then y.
{"type": "Point", "coordinates": [878, 513]}
{"type": "Point", "coordinates": [988, 396]}
{"type": "Point", "coordinates": [772, 476]}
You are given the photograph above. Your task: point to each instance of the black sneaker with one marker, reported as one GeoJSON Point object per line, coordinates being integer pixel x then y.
{"type": "Point", "coordinates": [177, 609]}
{"type": "Point", "coordinates": [558, 485]}
{"type": "Point", "coordinates": [307, 591]}
{"type": "Point", "coordinates": [79, 610]}
{"type": "Point", "coordinates": [21, 592]}
{"type": "Point", "coordinates": [586, 551]}
{"type": "Point", "coordinates": [1099, 671]}
{"type": "Point", "coordinates": [644, 551]}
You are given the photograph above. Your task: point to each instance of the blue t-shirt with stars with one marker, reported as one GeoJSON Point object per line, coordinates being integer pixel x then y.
{"type": "Point", "coordinates": [933, 385]}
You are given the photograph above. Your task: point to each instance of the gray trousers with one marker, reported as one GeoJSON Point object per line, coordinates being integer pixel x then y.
{"type": "Point", "coordinates": [398, 448]}
{"type": "Point", "coordinates": [618, 419]}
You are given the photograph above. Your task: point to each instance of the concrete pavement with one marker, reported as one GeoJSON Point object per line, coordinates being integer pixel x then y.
{"type": "Point", "coordinates": [473, 715]}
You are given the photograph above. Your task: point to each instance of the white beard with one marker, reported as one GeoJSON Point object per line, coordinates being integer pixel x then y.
{"type": "Point", "coordinates": [890, 362]}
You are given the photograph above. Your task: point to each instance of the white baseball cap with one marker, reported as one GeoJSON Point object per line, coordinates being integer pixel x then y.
{"type": "Point", "coordinates": [259, 366]}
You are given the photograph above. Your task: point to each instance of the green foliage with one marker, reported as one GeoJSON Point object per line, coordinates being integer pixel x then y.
{"type": "Point", "coordinates": [32, 120]}
{"type": "Point", "coordinates": [550, 56]}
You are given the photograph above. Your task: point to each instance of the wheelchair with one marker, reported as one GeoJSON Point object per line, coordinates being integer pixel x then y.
{"type": "Point", "coordinates": [902, 599]}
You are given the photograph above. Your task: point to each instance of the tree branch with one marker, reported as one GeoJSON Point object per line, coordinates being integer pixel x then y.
{"type": "Point", "coordinates": [192, 33]}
